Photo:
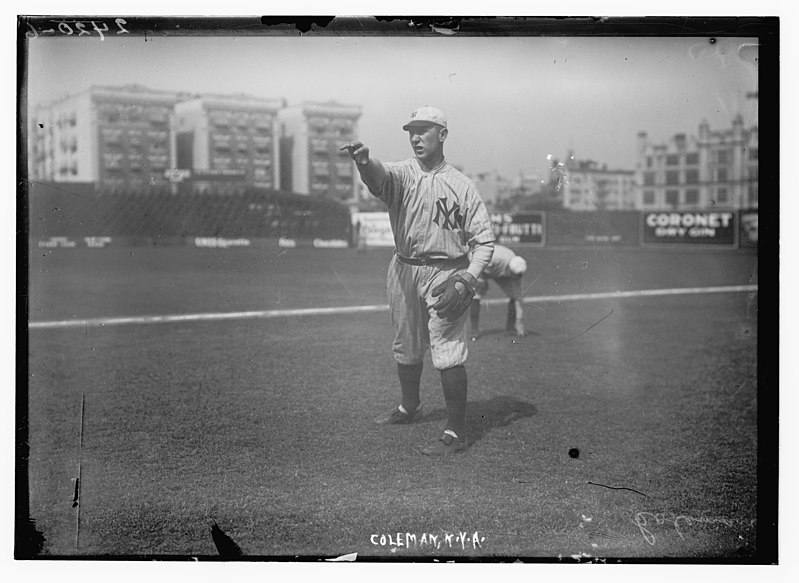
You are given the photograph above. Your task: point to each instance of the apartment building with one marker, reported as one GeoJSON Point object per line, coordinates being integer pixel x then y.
{"type": "Point", "coordinates": [589, 186]}
{"type": "Point", "coordinates": [312, 162]}
{"type": "Point", "coordinates": [493, 187]}
{"type": "Point", "coordinates": [230, 140]}
{"type": "Point", "coordinates": [714, 169]}
{"type": "Point", "coordinates": [110, 136]}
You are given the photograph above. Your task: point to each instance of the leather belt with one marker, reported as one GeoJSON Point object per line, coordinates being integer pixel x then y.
{"type": "Point", "coordinates": [426, 260]}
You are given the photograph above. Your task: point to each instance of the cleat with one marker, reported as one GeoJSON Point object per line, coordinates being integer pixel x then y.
{"type": "Point", "coordinates": [397, 417]}
{"type": "Point", "coordinates": [445, 446]}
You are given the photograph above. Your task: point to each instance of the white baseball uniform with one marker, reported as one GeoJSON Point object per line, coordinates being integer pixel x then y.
{"type": "Point", "coordinates": [436, 216]}
{"type": "Point", "coordinates": [500, 271]}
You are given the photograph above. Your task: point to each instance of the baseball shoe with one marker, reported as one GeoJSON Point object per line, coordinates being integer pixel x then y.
{"type": "Point", "coordinates": [397, 417]}
{"type": "Point", "coordinates": [446, 445]}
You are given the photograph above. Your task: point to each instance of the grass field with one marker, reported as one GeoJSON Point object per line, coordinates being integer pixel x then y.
{"type": "Point", "coordinates": [264, 424]}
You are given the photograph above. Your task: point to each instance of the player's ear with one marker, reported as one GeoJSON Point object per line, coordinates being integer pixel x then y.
{"type": "Point", "coordinates": [442, 134]}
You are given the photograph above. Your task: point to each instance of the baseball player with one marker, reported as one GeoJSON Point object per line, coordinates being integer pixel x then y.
{"type": "Point", "coordinates": [506, 269]}
{"type": "Point", "coordinates": [443, 239]}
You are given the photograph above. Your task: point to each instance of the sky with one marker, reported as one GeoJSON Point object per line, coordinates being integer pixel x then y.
{"type": "Point", "coordinates": [511, 102]}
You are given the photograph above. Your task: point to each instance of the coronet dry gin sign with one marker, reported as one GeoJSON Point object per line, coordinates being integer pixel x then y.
{"type": "Point", "coordinates": [696, 227]}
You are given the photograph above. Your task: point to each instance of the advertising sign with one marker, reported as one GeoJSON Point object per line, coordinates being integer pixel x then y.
{"type": "Point", "coordinates": [219, 174]}
{"type": "Point", "coordinates": [372, 229]}
{"type": "Point", "coordinates": [593, 228]}
{"type": "Point", "coordinates": [748, 229]}
{"type": "Point", "coordinates": [693, 228]}
{"type": "Point", "coordinates": [518, 228]}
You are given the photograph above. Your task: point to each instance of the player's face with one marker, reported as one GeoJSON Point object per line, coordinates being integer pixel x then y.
{"type": "Point", "coordinates": [427, 141]}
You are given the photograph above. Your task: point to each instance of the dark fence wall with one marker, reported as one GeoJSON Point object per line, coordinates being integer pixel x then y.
{"type": "Point", "coordinates": [620, 228]}
{"type": "Point", "coordinates": [78, 211]}
{"type": "Point", "coordinates": [70, 215]}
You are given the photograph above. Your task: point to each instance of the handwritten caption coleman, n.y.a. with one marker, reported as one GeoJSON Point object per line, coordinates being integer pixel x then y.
{"type": "Point", "coordinates": [442, 540]}
{"type": "Point", "coordinates": [647, 520]}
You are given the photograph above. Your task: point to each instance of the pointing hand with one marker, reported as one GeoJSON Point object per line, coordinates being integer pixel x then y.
{"type": "Point", "coordinates": [358, 152]}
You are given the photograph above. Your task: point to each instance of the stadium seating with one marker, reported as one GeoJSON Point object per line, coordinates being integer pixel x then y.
{"type": "Point", "coordinates": [78, 210]}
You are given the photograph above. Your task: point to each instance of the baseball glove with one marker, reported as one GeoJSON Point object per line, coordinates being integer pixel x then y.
{"type": "Point", "coordinates": [453, 299]}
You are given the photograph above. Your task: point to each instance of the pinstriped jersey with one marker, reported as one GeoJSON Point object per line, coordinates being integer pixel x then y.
{"type": "Point", "coordinates": [499, 266]}
{"type": "Point", "coordinates": [435, 214]}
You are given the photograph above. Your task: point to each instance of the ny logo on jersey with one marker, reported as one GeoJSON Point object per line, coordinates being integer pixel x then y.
{"type": "Point", "coordinates": [448, 218]}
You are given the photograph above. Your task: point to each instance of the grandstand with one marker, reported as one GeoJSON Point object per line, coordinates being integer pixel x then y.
{"type": "Point", "coordinates": [80, 210]}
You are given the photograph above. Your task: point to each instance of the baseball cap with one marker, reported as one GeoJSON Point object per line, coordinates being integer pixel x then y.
{"type": "Point", "coordinates": [426, 115]}
{"type": "Point", "coordinates": [517, 265]}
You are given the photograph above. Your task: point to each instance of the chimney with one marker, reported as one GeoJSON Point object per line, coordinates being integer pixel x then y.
{"type": "Point", "coordinates": [642, 142]}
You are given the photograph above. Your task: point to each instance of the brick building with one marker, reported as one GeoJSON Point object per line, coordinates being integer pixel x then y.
{"type": "Point", "coordinates": [715, 169]}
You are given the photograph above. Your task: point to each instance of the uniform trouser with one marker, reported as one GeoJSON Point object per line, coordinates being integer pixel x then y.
{"type": "Point", "coordinates": [417, 327]}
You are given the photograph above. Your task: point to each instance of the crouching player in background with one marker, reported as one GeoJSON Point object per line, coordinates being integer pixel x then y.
{"type": "Point", "coordinates": [507, 270]}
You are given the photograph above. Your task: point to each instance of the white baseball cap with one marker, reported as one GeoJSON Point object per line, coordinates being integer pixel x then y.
{"type": "Point", "coordinates": [517, 265]}
{"type": "Point", "coordinates": [426, 115]}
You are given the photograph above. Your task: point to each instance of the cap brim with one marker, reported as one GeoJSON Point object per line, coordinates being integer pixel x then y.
{"type": "Point", "coordinates": [420, 122]}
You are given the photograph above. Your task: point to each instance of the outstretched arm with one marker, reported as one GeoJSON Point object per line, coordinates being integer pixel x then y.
{"type": "Point", "coordinates": [371, 169]}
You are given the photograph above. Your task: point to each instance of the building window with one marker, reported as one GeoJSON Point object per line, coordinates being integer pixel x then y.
{"type": "Point", "coordinates": [111, 160]}
{"type": "Point", "coordinates": [692, 196]}
{"type": "Point", "coordinates": [692, 158]}
{"type": "Point", "coordinates": [263, 122]}
{"type": "Point", "coordinates": [319, 145]}
{"type": "Point", "coordinates": [753, 172]}
{"type": "Point", "coordinates": [721, 175]}
{"type": "Point", "coordinates": [672, 197]}
{"type": "Point", "coordinates": [158, 147]}
{"type": "Point", "coordinates": [673, 160]}
{"type": "Point", "coordinates": [111, 136]}
{"type": "Point", "coordinates": [158, 116]}
{"type": "Point", "coordinates": [262, 144]}
{"type": "Point", "coordinates": [672, 177]}
{"type": "Point", "coordinates": [692, 176]}
{"type": "Point", "coordinates": [723, 156]}
{"type": "Point", "coordinates": [649, 161]}
{"type": "Point", "coordinates": [753, 195]}
{"type": "Point", "coordinates": [722, 196]}
{"type": "Point", "coordinates": [649, 197]}
{"type": "Point", "coordinates": [649, 178]}
{"type": "Point", "coordinates": [320, 168]}
{"type": "Point", "coordinates": [219, 119]}
{"type": "Point", "coordinates": [753, 153]}
{"type": "Point", "coordinates": [157, 161]}
{"type": "Point", "coordinates": [344, 169]}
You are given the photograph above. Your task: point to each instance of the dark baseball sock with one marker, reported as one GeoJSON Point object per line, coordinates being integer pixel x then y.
{"type": "Point", "coordinates": [509, 325]}
{"type": "Point", "coordinates": [474, 315]}
{"type": "Point", "coordinates": [453, 381]}
{"type": "Point", "coordinates": [410, 376]}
